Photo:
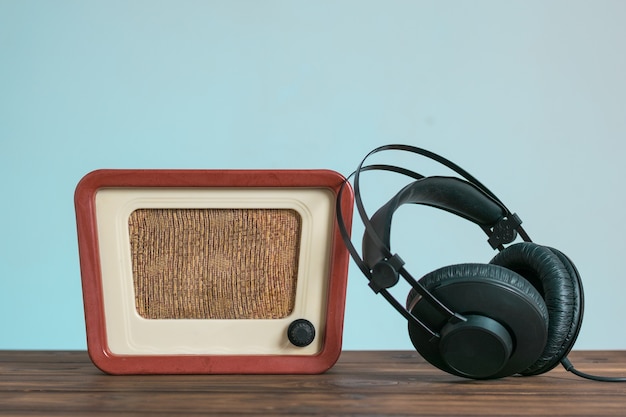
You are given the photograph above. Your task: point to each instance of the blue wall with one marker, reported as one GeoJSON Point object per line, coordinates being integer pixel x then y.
{"type": "Point", "coordinates": [528, 95]}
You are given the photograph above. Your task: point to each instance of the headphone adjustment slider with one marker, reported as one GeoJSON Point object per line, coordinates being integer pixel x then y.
{"type": "Point", "coordinates": [505, 231]}
{"type": "Point", "coordinates": [385, 273]}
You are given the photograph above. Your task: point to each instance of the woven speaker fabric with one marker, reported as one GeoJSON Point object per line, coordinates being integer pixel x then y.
{"type": "Point", "coordinates": [214, 263]}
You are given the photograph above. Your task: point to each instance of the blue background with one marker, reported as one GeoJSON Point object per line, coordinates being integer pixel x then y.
{"type": "Point", "coordinates": [529, 96]}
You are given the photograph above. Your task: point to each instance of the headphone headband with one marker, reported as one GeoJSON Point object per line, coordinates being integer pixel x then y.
{"type": "Point", "coordinates": [451, 194]}
{"type": "Point", "coordinates": [385, 273]}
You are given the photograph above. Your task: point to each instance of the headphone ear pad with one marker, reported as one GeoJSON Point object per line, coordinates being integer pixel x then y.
{"type": "Point", "coordinates": [557, 280]}
{"type": "Point", "coordinates": [487, 291]}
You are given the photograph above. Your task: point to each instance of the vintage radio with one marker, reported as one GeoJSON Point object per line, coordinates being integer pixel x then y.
{"type": "Point", "coordinates": [212, 271]}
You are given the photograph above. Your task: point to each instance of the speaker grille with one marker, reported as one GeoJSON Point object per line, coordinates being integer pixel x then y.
{"type": "Point", "coordinates": [214, 263]}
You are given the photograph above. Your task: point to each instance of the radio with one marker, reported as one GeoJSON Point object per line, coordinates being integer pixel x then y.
{"type": "Point", "coordinates": [213, 271]}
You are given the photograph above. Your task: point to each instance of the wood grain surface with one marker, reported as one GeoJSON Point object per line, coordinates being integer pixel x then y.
{"type": "Point", "coordinates": [362, 383]}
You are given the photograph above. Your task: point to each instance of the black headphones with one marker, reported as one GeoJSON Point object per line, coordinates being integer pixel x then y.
{"type": "Point", "coordinates": [518, 314]}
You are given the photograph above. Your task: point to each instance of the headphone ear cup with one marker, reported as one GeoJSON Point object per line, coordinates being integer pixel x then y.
{"type": "Point", "coordinates": [485, 291]}
{"type": "Point", "coordinates": [557, 280]}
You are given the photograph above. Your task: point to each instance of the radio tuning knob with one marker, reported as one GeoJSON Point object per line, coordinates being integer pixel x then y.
{"type": "Point", "coordinates": [301, 332]}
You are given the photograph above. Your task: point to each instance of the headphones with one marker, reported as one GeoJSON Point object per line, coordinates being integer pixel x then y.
{"type": "Point", "coordinates": [518, 314]}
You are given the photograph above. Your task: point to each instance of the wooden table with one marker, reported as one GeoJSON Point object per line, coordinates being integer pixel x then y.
{"type": "Point", "coordinates": [361, 384]}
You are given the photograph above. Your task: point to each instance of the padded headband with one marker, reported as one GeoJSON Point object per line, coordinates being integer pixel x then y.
{"type": "Point", "coordinates": [451, 194]}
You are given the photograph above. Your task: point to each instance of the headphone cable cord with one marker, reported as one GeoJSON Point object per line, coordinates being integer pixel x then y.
{"type": "Point", "coordinates": [570, 368]}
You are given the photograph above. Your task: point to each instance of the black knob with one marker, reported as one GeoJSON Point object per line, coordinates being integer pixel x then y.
{"type": "Point", "coordinates": [301, 332]}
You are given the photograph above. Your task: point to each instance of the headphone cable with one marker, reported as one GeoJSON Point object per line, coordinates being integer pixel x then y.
{"type": "Point", "coordinates": [570, 368]}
